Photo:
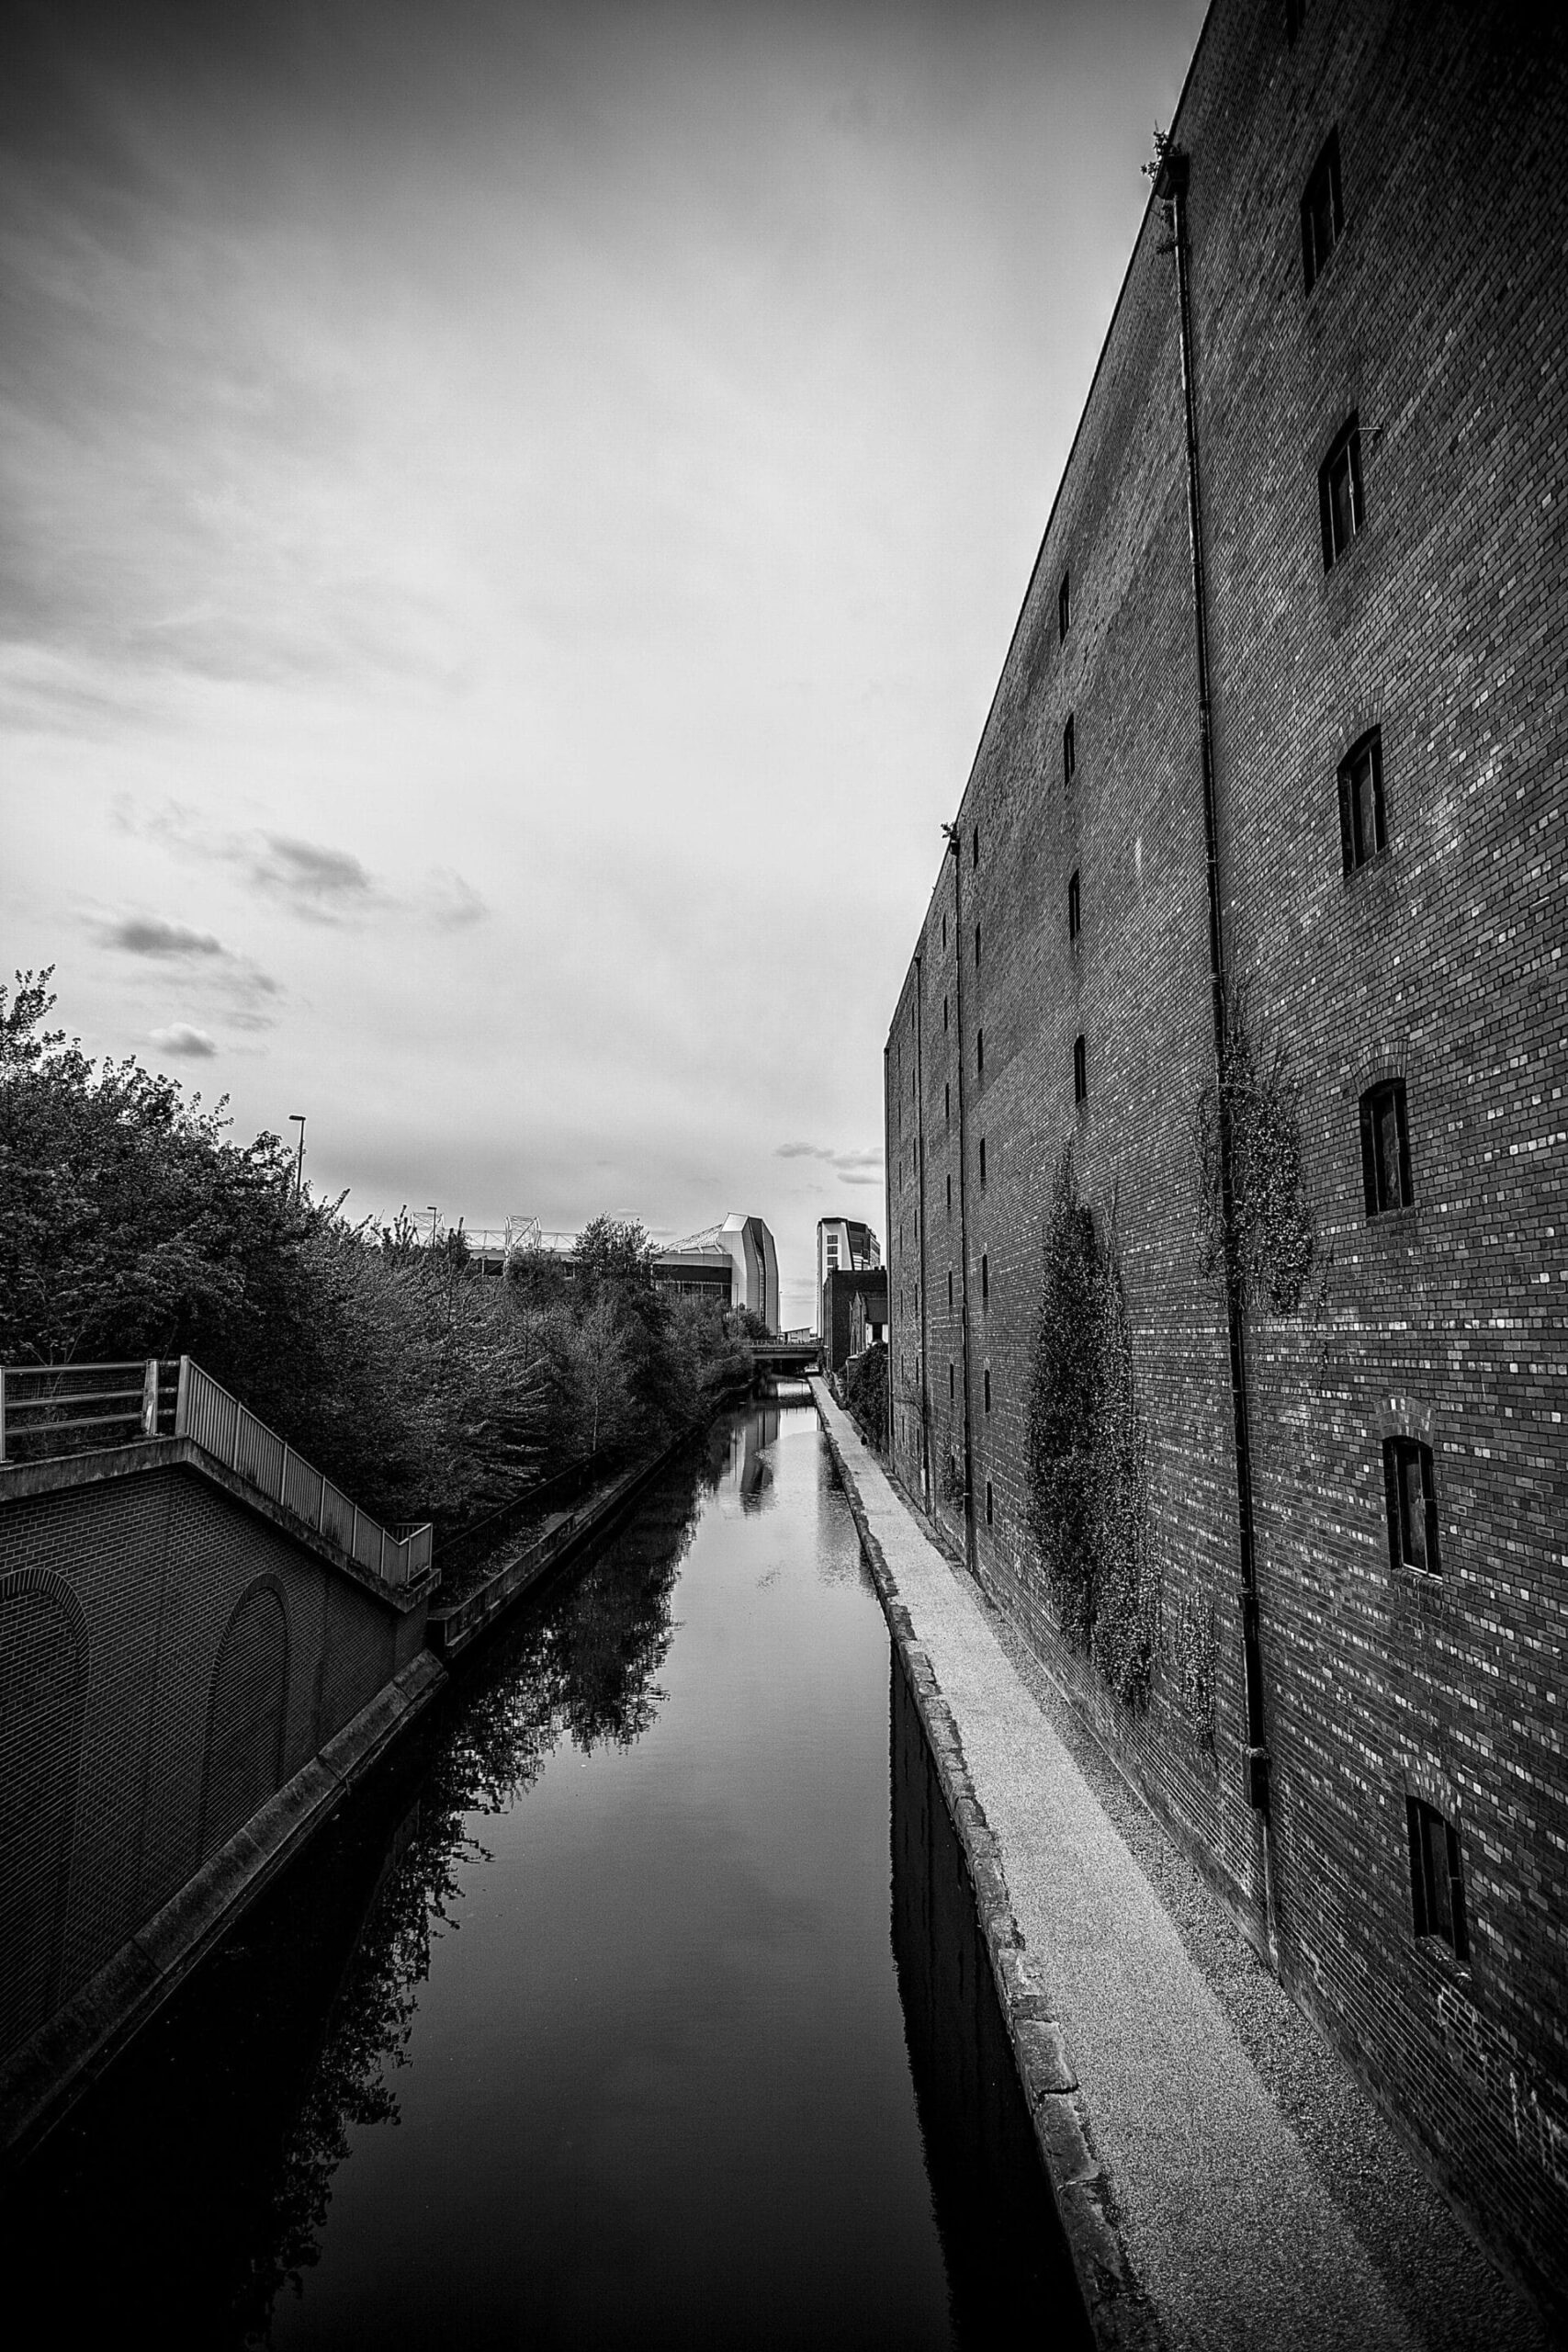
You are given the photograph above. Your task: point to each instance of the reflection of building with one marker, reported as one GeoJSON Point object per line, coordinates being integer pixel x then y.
{"type": "Point", "coordinates": [852, 1288]}
{"type": "Point", "coordinates": [734, 1263]}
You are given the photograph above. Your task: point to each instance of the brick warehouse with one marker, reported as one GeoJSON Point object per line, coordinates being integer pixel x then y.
{"type": "Point", "coordinates": [1302, 603]}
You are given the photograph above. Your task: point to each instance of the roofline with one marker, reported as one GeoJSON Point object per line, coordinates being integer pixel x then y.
{"type": "Point", "coordinates": [1066, 468]}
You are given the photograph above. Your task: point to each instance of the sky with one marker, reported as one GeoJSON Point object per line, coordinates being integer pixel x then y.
{"type": "Point", "coordinates": [511, 517]}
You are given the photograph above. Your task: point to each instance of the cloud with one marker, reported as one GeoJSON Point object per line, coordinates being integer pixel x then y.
{"type": "Point", "coordinates": [850, 1167]}
{"type": "Point", "coordinates": [315, 880]}
{"type": "Point", "coordinates": [449, 902]}
{"type": "Point", "coordinates": [180, 1037]}
{"type": "Point", "coordinates": [154, 935]}
{"type": "Point", "coordinates": [242, 985]}
{"type": "Point", "coordinates": [318, 882]}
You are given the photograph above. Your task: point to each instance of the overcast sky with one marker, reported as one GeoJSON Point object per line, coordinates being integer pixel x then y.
{"type": "Point", "coordinates": [512, 516]}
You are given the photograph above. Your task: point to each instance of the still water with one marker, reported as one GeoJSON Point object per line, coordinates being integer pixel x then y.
{"type": "Point", "coordinates": [637, 2002]}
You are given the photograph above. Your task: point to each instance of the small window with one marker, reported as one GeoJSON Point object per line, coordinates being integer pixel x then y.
{"type": "Point", "coordinates": [982, 1163]}
{"type": "Point", "coordinates": [1075, 917]}
{"type": "Point", "coordinates": [1412, 1497]}
{"type": "Point", "coordinates": [1080, 1070]}
{"type": "Point", "coordinates": [977, 946]}
{"type": "Point", "coordinates": [1385, 1148]}
{"type": "Point", "coordinates": [990, 1504]}
{"type": "Point", "coordinates": [1340, 504]}
{"type": "Point", "coordinates": [977, 851]}
{"type": "Point", "coordinates": [1436, 1877]}
{"type": "Point", "coordinates": [947, 1100]}
{"type": "Point", "coordinates": [950, 1195]}
{"type": "Point", "coordinates": [944, 939]}
{"type": "Point", "coordinates": [984, 1276]}
{"type": "Point", "coordinates": [987, 1388]}
{"type": "Point", "coordinates": [950, 1367]}
{"type": "Point", "coordinates": [1069, 751]}
{"type": "Point", "coordinates": [1322, 213]}
{"type": "Point", "coordinates": [1363, 827]}
{"type": "Point", "coordinates": [980, 1053]}
{"type": "Point", "coordinates": [1064, 608]}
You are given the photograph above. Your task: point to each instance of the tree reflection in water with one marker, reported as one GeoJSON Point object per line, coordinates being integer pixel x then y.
{"type": "Point", "coordinates": [206, 2157]}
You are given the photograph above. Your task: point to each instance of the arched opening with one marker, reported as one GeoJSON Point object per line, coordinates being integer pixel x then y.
{"type": "Point", "coordinates": [43, 1690]}
{"type": "Point", "coordinates": [245, 1724]}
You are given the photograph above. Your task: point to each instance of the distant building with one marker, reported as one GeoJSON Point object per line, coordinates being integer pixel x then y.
{"type": "Point", "coordinates": [734, 1263]}
{"type": "Point", "coordinates": [852, 1288]}
{"type": "Point", "coordinates": [854, 1312]}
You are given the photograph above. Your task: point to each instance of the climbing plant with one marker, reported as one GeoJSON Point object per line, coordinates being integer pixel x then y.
{"type": "Point", "coordinates": [1270, 1245]}
{"type": "Point", "coordinates": [1087, 1450]}
{"type": "Point", "coordinates": [1064, 1407]}
{"type": "Point", "coordinates": [1192, 1679]}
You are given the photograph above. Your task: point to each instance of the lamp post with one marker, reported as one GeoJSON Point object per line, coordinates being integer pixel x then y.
{"type": "Point", "coordinates": [434, 1221]}
{"type": "Point", "coordinates": [297, 1119]}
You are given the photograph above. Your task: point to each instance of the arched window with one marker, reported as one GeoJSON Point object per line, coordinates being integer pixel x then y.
{"type": "Point", "coordinates": [43, 1690]}
{"type": "Point", "coordinates": [245, 1724]}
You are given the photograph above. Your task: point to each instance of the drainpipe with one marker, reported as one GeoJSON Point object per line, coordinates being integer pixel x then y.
{"type": "Point", "coordinates": [955, 847]}
{"type": "Point", "coordinates": [1170, 186]}
{"type": "Point", "coordinates": [895, 1251]}
{"type": "Point", "coordinates": [920, 1213]}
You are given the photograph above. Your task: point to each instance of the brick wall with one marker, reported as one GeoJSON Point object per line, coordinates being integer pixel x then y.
{"type": "Point", "coordinates": [1441, 319]}
{"type": "Point", "coordinates": [115, 1600]}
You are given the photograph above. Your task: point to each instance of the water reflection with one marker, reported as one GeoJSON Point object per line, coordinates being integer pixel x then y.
{"type": "Point", "coordinates": [206, 2158]}
{"type": "Point", "coordinates": [581, 2024]}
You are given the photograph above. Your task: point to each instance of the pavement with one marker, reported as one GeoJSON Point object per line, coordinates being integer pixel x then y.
{"type": "Point", "coordinates": [1258, 2200]}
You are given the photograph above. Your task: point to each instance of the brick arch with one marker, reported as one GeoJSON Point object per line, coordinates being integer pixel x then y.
{"type": "Point", "coordinates": [246, 1713]}
{"type": "Point", "coordinates": [43, 1695]}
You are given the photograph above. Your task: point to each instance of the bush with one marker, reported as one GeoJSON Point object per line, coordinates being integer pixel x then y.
{"type": "Point", "coordinates": [130, 1226]}
{"type": "Point", "coordinates": [866, 1394]}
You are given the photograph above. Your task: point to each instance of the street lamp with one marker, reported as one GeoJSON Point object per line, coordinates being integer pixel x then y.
{"type": "Point", "coordinates": [434, 1221]}
{"type": "Point", "coordinates": [297, 1119]}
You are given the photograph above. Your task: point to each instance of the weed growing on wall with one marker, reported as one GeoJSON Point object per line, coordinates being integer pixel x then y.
{"type": "Point", "coordinates": [1192, 1681]}
{"type": "Point", "coordinates": [1271, 1246]}
{"type": "Point", "coordinates": [1087, 1451]}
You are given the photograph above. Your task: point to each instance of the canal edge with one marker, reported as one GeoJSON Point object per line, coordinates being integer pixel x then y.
{"type": "Point", "coordinates": [1119, 2310]}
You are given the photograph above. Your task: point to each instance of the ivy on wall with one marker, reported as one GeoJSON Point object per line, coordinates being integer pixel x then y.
{"type": "Point", "coordinates": [1192, 1668]}
{"type": "Point", "coordinates": [1272, 1244]}
{"type": "Point", "coordinates": [1087, 1451]}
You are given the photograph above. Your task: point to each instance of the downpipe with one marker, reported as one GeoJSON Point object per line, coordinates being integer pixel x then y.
{"type": "Point", "coordinates": [1170, 172]}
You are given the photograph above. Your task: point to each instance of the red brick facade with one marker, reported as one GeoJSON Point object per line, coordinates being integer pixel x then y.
{"type": "Point", "coordinates": [1440, 321]}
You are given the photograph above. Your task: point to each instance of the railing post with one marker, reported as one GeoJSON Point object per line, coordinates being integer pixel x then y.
{"type": "Point", "coordinates": [182, 1398]}
{"type": "Point", "coordinates": [149, 1397]}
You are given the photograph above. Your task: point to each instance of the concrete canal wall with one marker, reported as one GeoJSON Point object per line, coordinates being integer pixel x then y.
{"type": "Point", "coordinates": [189, 1677]}
{"type": "Point", "coordinates": [1220, 2178]}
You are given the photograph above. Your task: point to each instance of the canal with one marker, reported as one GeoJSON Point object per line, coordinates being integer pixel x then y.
{"type": "Point", "coordinates": [637, 2000]}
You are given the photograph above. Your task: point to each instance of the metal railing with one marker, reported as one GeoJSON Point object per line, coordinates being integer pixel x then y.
{"type": "Point", "coordinates": [51, 1409]}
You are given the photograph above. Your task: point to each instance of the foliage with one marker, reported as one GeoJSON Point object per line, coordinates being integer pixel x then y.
{"type": "Point", "coordinates": [1271, 1242]}
{"type": "Point", "coordinates": [1087, 1451]}
{"type": "Point", "coordinates": [132, 1225]}
{"type": "Point", "coordinates": [866, 1393]}
{"type": "Point", "coordinates": [1193, 1658]}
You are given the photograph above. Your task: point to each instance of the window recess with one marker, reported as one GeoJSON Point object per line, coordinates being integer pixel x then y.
{"type": "Point", "coordinates": [1385, 1148]}
{"type": "Point", "coordinates": [1341, 503]}
{"type": "Point", "coordinates": [1363, 822]}
{"type": "Point", "coordinates": [1436, 1877]}
{"type": "Point", "coordinates": [1411, 1493]}
{"type": "Point", "coordinates": [1323, 211]}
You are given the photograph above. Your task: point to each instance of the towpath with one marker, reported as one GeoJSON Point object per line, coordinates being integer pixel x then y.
{"type": "Point", "coordinates": [1262, 2203]}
